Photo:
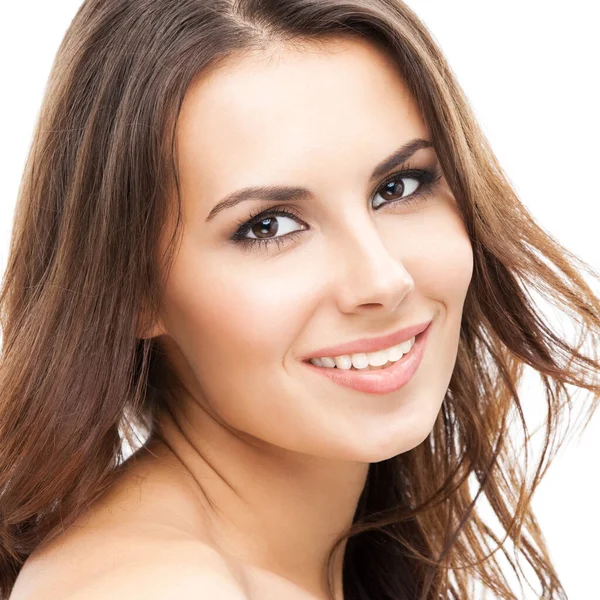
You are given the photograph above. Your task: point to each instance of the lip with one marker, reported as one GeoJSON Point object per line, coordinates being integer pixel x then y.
{"type": "Point", "coordinates": [381, 381]}
{"type": "Point", "coordinates": [372, 344]}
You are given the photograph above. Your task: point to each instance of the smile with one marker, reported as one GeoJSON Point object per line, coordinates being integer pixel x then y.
{"type": "Point", "coordinates": [366, 360]}
{"type": "Point", "coordinates": [389, 376]}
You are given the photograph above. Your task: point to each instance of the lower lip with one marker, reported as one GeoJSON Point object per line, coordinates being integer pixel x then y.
{"type": "Point", "coordinates": [381, 381]}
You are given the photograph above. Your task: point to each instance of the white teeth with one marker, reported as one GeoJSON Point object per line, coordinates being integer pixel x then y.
{"type": "Point", "coordinates": [359, 361]}
{"type": "Point", "coordinates": [327, 361]}
{"type": "Point", "coordinates": [362, 360]}
{"type": "Point", "coordinates": [407, 345]}
{"type": "Point", "coordinates": [378, 359]}
{"type": "Point", "coordinates": [343, 362]}
{"type": "Point", "coordinates": [395, 353]}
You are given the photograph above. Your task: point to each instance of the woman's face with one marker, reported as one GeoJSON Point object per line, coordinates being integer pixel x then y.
{"type": "Point", "coordinates": [353, 259]}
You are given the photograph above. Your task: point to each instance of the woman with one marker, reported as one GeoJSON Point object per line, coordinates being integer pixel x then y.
{"type": "Point", "coordinates": [265, 246]}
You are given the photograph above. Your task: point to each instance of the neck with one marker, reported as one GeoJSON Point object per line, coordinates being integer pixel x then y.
{"type": "Point", "coordinates": [268, 507]}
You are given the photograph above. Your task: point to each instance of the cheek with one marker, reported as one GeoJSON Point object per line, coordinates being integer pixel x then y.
{"type": "Point", "coordinates": [223, 310]}
{"type": "Point", "coordinates": [233, 325]}
{"type": "Point", "coordinates": [442, 268]}
{"type": "Point", "coordinates": [438, 254]}
{"type": "Point", "coordinates": [252, 310]}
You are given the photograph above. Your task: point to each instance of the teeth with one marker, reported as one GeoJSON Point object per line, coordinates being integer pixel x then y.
{"type": "Point", "coordinates": [359, 361]}
{"type": "Point", "coordinates": [396, 352]}
{"type": "Point", "coordinates": [343, 362]}
{"type": "Point", "coordinates": [363, 360]}
{"type": "Point", "coordinates": [378, 359]}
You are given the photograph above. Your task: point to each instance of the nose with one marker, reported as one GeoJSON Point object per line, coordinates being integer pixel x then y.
{"type": "Point", "coordinates": [371, 277]}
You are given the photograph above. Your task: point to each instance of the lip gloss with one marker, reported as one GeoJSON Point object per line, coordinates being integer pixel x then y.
{"type": "Point", "coordinates": [380, 381]}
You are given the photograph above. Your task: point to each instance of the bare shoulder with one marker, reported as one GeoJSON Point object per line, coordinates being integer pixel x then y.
{"type": "Point", "coordinates": [133, 568]}
{"type": "Point", "coordinates": [142, 540]}
{"type": "Point", "coordinates": [161, 581]}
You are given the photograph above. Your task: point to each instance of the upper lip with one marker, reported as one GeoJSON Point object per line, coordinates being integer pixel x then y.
{"type": "Point", "coordinates": [372, 344]}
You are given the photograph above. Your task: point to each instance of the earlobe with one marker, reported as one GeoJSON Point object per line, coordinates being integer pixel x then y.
{"type": "Point", "coordinates": [155, 331]}
{"type": "Point", "coordinates": [145, 331]}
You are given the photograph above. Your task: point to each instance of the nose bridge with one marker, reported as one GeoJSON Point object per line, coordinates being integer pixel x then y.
{"type": "Point", "coordinates": [369, 274]}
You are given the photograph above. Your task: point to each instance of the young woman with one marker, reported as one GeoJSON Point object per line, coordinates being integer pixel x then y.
{"type": "Point", "coordinates": [265, 315]}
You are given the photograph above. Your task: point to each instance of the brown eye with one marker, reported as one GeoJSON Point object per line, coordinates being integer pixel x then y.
{"type": "Point", "coordinates": [270, 225]}
{"type": "Point", "coordinates": [265, 228]}
{"type": "Point", "coordinates": [396, 189]}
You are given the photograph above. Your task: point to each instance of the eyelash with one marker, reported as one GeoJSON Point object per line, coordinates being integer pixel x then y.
{"type": "Point", "coordinates": [427, 178]}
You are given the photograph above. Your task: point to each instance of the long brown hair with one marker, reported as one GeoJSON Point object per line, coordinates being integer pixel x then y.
{"type": "Point", "coordinates": [76, 383]}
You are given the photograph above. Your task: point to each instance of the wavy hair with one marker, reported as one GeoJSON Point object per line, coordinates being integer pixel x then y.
{"type": "Point", "coordinates": [76, 383]}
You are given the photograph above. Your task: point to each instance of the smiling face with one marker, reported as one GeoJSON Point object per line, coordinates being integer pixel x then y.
{"type": "Point", "coordinates": [357, 254]}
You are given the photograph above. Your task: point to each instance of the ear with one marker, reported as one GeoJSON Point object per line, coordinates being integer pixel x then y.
{"type": "Point", "coordinates": [156, 330]}
{"type": "Point", "coordinates": [147, 330]}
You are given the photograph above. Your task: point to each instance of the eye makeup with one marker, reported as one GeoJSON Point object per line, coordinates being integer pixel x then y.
{"type": "Point", "coordinates": [427, 178]}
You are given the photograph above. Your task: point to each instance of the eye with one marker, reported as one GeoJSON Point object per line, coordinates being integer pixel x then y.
{"type": "Point", "coordinates": [268, 227]}
{"type": "Point", "coordinates": [401, 188]}
{"type": "Point", "coordinates": [277, 225]}
{"type": "Point", "coordinates": [271, 225]}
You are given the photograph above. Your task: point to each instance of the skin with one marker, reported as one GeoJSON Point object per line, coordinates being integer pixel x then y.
{"type": "Point", "coordinates": [262, 459]}
{"type": "Point", "coordinates": [281, 452]}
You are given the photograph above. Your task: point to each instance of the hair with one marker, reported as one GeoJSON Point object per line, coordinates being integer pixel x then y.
{"type": "Point", "coordinates": [76, 383]}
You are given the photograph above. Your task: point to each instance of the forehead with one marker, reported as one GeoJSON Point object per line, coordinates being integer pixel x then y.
{"type": "Point", "coordinates": [290, 111]}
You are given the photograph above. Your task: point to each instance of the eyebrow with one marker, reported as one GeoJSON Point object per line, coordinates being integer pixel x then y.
{"type": "Point", "coordinates": [285, 193]}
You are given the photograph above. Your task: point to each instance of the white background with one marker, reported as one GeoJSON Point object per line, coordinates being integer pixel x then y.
{"type": "Point", "coordinates": [530, 70]}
